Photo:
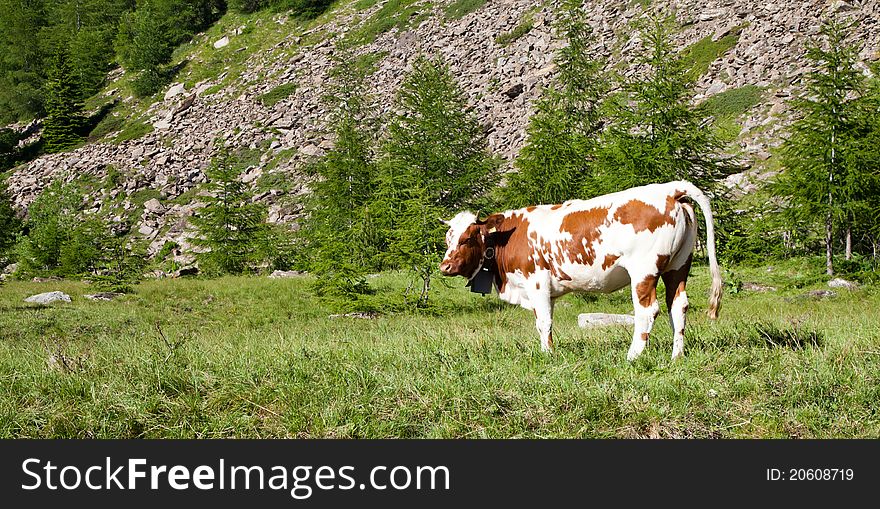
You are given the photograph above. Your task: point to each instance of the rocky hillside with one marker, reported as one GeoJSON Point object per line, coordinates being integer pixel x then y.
{"type": "Point", "coordinates": [256, 82]}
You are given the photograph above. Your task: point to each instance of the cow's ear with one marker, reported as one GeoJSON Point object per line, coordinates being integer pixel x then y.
{"type": "Point", "coordinates": [493, 222]}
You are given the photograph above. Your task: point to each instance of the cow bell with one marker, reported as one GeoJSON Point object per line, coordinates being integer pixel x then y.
{"type": "Point", "coordinates": [482, 282]}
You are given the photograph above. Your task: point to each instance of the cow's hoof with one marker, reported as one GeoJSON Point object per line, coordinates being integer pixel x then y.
{"type": "Point", "coordinates": [634, 353]}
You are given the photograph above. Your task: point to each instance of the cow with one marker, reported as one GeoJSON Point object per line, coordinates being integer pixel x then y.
{"type": "Point", "coordinates": [634, 237]}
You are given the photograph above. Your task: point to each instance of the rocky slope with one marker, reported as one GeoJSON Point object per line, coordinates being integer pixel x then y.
{"type": "Point", "coordinates": [502, 81]}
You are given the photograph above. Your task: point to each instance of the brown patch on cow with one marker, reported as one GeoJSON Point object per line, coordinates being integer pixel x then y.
{"type": "Point", "coordinates": [531, 209]}
{"type": "Point", "coordinates": [645, 336]}
{"type": "Point", "coordinates": [643, 216]}
{"type": "Point", "coordinates": [583, 226]}
{"type": "Point", "coordinates": [516, 253]}
{"type": "Point", "coordinates": [646, 291]}
{"type": "Point", "coordinates": [662, 262]}
{"type": "Point", "coordinates": [609, 261]}
{"type": "Point", "coordinates": [537, 285]}
{"type": "Point", "coordinates": [675, 281]}
{"type": "Point", "coordinates": [556, 207]}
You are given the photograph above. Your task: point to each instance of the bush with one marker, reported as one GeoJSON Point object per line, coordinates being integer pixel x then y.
{"type": "Point", "coordinates": [148, 82]}
{"type": "Point", "coordinates": [230, 225]}
{"type": "Point", "coordinates": [57, 241]}
{"type": "Point", "coordinates": [10, 226]}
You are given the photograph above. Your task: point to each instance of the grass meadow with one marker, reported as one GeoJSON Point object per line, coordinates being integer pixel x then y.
{"type": "Point", "coordinates": [259, 357]}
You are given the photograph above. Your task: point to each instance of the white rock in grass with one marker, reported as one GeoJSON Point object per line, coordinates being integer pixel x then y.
{"type": "Point", "coordinates": [48, 298]}
{"type": "Point", "coordinates": [175, 90]}
{"type": "Point", "coordinates": [587, 320]}
{"type": "Point", "coordinates": [842, 283]}
{"type": "Point", "coordinates": [222, 43]}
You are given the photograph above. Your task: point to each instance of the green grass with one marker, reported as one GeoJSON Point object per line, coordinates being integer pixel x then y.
{"type": "Point", "coordinates": [461, 8]}
{"type": "Point", "coordinates": [700, 55]}
{"type": "Point", "coordinates": [733, 102]}
{"type": "Point", "coordinates": [362, 5]}
{"type": "Point", "coordinates": [524, 27]}
{"type": "Point", "coordinates": [400, 14]}
{"type": "Point", "coordinates": [728, 106]}
{"type": "Point", "coordinates": [277, 94]}
{"type": "Point", "coordinates": [133, 130]}
{"type": "Point", "coordinates": [256, 357]}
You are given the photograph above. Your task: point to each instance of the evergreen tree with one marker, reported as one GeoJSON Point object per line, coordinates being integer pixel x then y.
{"type": "Point", "coordinates": [655, 134]}
{"type": "Point", "coordinates": [21, 60]}
{"type": "Point", "coordinates": [58, 241]}
{"type": "Point", "coordinates": [64, 120]}
{"type": "Point", "coordinates": [556, 162]}
{"type": "Point", "coordinates": [339, 231]}
{"type": "Point", "coordinates": [87, 29]}
{"type": "Point", "coordinates": [822, 181]}
{"type": "Point", "coordinates": [435, 163]}
{"type": "Point", "coordinates": [230, 226]}
{"type": "Point", "coordinates": [144, 45]}
{"type": "Point", "coordinates": [10, 226]}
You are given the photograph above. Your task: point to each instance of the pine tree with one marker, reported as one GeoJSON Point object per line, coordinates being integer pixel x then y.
{"type": "Point", "coordinates": [655, 134]}
{"type": "Point", "coordinates": [339, 231]}
{"type": "Point", "coordinates": [556, 162]}
{"type": "Point", "coordinates": [58, 240]}
{"type": "Point", "coordinates": [821, 181]}
{"type": "Point", "coordinates": [10, 226]}
{"type": "Point", "coordinates": [22, 67]}
{"type": "Point", "coordinates": [64, 119]}
{"type": "Point", "coordinates": [435, 163]}
{"type": "Point", "coordinates": [144, 45]}
{"type": "Point", "coordinates": [230, 226]}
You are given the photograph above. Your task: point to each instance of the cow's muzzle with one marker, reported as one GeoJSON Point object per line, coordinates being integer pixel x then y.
{"type": "Point", "coordinates": [448, 269]}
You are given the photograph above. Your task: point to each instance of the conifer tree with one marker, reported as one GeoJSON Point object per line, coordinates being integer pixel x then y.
{"type": "Point", "coordinates": [22, 66]}
{"type": "Point", "coordinates": [10, 225]}
{"type": "Point", "coordinates": [230, 226]}
{"type": "Point", "coordinates": [58, 240]}
{"type": "Point", "coordinates": [339, 230]}
{"type": "Point", "coordinates": [64, 119]}
{"type": "Point", "coordinates": [655, 134]}
{"type": "Point", "coordinates": [822, 181]}
{"type": "Point", "coordinates": [556, 162]}
{"type": "Point", "coordinates": [144, 45]}
{"type": "Point", "coordinates": [435, 163]}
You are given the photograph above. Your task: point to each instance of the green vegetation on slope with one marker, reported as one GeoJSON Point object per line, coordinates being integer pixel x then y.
{"type": "Point", "coordinates": [728, 106]}
{"type": "Point", "coordinates": [524, 27]}
{"type": "Point", "coordinates": [461, 8]}
{"type": "Point", "coordinates": [400, 14]}
{"type": "Point", "coordinates": [700, 55]}
{"type": "Point", "coordinates": [277, 94]}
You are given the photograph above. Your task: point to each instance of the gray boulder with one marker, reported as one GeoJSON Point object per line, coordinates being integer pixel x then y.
{"type": "Point", "coordinates": [842, 283]}
{"type": "Point", "coordinates": [589, 320]}
{"type": "Point", "coordinates": [48, 298]}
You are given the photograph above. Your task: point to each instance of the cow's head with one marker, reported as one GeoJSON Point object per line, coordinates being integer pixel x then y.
{"type": "Point", "coordinates": [465, 243]}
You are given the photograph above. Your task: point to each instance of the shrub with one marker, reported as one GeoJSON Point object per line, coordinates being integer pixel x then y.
{"type": "Point", "coordinates": [231, 226]}
{"type": "Point", "coordinates": [57, 240]}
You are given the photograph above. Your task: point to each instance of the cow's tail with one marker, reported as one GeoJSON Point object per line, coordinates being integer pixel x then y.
{"type": "Point", "coordinates": [715, 293]}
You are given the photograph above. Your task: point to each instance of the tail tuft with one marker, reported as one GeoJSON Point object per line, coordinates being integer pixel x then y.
{"type": "Point", "coordinates": [703, 201]}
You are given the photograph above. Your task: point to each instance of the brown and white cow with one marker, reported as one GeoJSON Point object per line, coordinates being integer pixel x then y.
{"type": "Point", "coordinates": [634, 237]}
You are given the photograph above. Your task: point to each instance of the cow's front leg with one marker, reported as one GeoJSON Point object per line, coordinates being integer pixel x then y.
{"type": "Point", "coordinates": [644, 294]}
{"type": "Point", "coordinates": [544, 321]}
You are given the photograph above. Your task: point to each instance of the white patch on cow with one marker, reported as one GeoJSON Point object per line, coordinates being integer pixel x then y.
{"type": "Point", "coordinates": [457, 227]}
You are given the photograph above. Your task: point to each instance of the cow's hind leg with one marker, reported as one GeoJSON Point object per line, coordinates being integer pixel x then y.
{"type": "Point", "coordinates": [677, 304]}
{"type": "Point", "coordinates": [644, 294]}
